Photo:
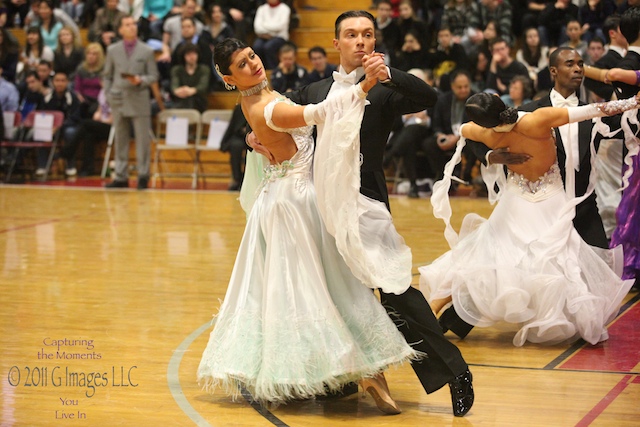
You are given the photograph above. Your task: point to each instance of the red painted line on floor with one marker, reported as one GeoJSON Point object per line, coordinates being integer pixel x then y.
{"type": "Point", "coordinates": [604, 403]}
{"type": "Point", "coordinates": [620, 353]}
{"type": "Point", "coordinates": [21, 227]}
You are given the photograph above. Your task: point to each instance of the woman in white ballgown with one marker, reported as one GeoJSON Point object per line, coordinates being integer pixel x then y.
{"type": "Point", "coordinates": [526, 264]}
{"type": "Point", "coordinates": [295, 322]}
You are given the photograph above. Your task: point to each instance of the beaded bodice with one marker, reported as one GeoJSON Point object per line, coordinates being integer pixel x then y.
{"type": "Point", "coordinates": [549, 181]}
{"type": "Point", "coordinates": [300, 163]}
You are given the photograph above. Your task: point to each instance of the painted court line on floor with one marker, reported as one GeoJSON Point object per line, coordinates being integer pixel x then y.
{"type": "Point", "coordinates": [605, 402]}
{"type": "Point", "coordinates": [173, 380]}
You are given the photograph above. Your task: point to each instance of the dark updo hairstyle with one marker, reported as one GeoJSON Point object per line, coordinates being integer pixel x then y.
{"type": "Point", "coordinates": [223, 54]}
{"type": "Point", "coordinates": [489, 111]}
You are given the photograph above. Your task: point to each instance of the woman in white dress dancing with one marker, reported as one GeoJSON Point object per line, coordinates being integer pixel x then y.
{"type": "Point", "coordinates": [526, 264]}
{"type": "Point", "coordinates": [295, 322]}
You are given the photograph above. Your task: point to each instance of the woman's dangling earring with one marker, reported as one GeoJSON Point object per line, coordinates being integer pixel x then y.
{"type": "Point", "coordinates": [226, 85]}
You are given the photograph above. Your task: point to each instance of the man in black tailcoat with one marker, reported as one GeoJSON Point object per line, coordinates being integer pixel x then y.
{"type": "Point", "coordinates": [398, 93]}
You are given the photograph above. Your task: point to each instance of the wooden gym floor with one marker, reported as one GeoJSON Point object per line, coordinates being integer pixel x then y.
{"type": "Point", "coordinates": [107, 299]}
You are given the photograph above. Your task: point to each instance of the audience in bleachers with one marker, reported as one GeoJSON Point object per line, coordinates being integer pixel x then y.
{"type": "Point", "coordinates": [478, 37]}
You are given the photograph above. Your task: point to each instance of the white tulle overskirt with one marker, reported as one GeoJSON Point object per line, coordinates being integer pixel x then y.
{"type": "Point", "coordinates": [526, 265]}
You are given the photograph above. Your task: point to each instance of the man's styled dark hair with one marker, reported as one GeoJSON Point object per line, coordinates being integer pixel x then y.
{"type": "Point", "coordinates": [352, 14]}
{"type": "Point", "coordinates": [489, 110]}
{"type": "Point", "coordinates": [630, 24]}
{"type": "Point", "coordinates": [611, 23]}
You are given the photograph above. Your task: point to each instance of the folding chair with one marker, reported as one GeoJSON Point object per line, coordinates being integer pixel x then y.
{"type": "Point", "coordinates": [214, 125]}
{"type": "Point", "coordinates": [176, 138]}
{"type": "Point", "coordinates": [42, 137]}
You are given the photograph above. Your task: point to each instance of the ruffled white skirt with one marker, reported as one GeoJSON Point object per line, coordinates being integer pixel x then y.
{"type": "Point", "coordinates": [527, 265]}
{"type": "Point", "coordinates": [295, 322]}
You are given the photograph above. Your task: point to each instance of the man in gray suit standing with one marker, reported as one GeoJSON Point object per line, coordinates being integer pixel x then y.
{"type": "Point", "coordinates": [130, 69]}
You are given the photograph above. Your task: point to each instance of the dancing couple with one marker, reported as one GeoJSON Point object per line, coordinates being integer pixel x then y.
{"type": "Point", "coordinates": [526, 264]}
{"type": "Point", "coordinates": [299, 318]}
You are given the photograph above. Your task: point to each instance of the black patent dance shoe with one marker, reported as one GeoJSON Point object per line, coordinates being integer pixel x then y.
{"type": "Point", "coordinates": [462, 393]}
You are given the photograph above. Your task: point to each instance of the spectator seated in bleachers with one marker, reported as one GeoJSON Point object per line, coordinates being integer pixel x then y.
{"type": "Point", "coordinates": [190, 80]}
{"type": "Point", "coordinates": [574, 36]}
{"type": "Point", "coordinates": [412, 54]}
{"type": "Point", "coordinates": [103, 27]}
{"type": "Point", "coordinates": [154, 12]}
{"type": "Point", "coordinates": [49, 25]}
{"type": "Point", "coordinates": [172, 29]}
{"type": "Point", "coordinates": [388, 27]}
{"type": "Point", "coordinates": [553, 21]}
{"type": "Point", "coordinates": [189, 36]}
{"type": "Point", "coordinates": [483, 12]}
{"type": "Point", "coordinates": [9, 95]}
{"type": "Point", "coordinates": [533, 54]}
{"type": "Point", "coordinates": [592, 15]}
{"type": "Point", "coordinates": [448, 55]}
{"type": "Point", "coordinates": [408, 21]}
{"type": "Point", "coordinates": [73, 8]}
{"type": "Point", "coordinates": [33, 17]}
{"type": "Point", "coordinates": [87, 82]}
{"type": "Point", "coordinates": [408, 140]}
{"type": "Point", "coordinates": [9, 54]}
{"type": "Point", "coordinates": [61, 98]}
{"type": "Point", "coordinates": [520, 92]}
{"type": "Point", "coordinates": [321, 67]}
{"type": "Point", "coordinates": [271, 26]}
{"type": "Point", "coordinates": [216, 30]}
{"type": "Point", "coordinates": [503, 67]}
{"type": "Point", "coordinates": [34, 52]}
{"type": "Point", "coordinates": [448, 116]}
{"type": "Point", "coordinates": [289, 75]}
{"type": "Point", "coordinates": [91, 131]}
{"type": "Point", "coordinates": [69, 54]}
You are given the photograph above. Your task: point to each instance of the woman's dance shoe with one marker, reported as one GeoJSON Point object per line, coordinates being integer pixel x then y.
{"type": "Point", "coordinates": [376, 387]}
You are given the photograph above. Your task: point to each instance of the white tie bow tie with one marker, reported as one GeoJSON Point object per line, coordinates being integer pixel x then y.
{"type": "Point", "coordinates": [349, 79]}
{"type": "Point", "coordinates": [560, 102]}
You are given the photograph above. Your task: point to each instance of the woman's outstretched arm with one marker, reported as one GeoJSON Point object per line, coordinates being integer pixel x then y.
{"type": "Point", "coordinates": [631, 77]}
{"type": "Point", "coordinates": [551, 117]}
